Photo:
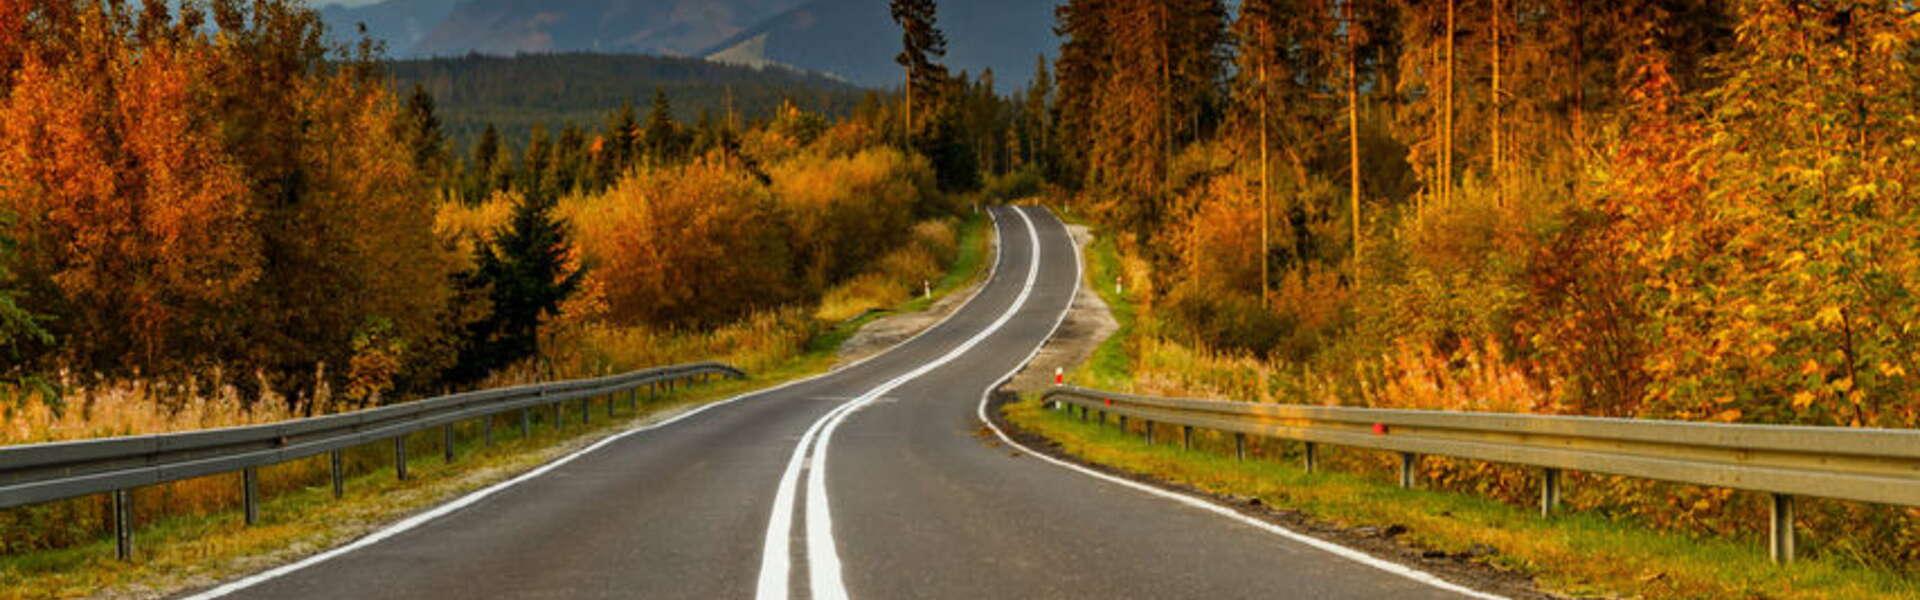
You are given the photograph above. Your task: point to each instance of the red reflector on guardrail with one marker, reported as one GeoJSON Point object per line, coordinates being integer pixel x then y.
{"type": "Point", "coordinates": [1109, 402]}
{"type": "Point", "coordinates": [1379, 428]}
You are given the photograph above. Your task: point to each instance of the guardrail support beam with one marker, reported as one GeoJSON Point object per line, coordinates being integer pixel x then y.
{"type": "Point", "coordinates": [1147, 431]}
{"type": "Point", "coordinates": [339, 474]}
{"type": "Point", "coordinates": [609, 406]}
{"type": "Point", "coordinates": [446, 441]}
{"type": "Point", "coordinates": [586, 410]}
{"type": "Point", "coordinates": [1549, 491]}
{"type": "Point", "coordinates": [1310, 456]}
{"type": "Point", "coordinates": [1407, 460]}
{"type": "Point", "coordinates": [1780, 534]}
{"type": "Point", "coordinates": [400, 457]}
{"type": "Point", "coordinates": [250, 494]}
{"type": "Point", "coordinates": [1239, 446]}
{"type": "Point", "coordinates": [486, 430]}
{"type": "Point", "coordinates": [1186, 437]}
{"type": "Point", "coordinates": [122, 524]}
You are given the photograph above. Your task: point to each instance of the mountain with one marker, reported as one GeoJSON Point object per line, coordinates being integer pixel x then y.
{"type": "Point", "coordinates": [853, 40]}
{"type": "Point", "coordinates": [399, 23]}
{"type": "Point", "coordinates": [517, 93]}
{"type": "Point", "coordinates": [857, 39]}
{"type": "Point", "coordinates": [668, 27]}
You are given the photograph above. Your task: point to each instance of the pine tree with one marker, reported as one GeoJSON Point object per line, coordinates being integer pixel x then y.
{"type": "Point", "coordinates": [661, 136]}
{"type": "Point", "coordinates": [921, 42]}
{"type": "Point", "coordinates": [524, 270]}
{"type": "Point", "coordinates": [424, 134]}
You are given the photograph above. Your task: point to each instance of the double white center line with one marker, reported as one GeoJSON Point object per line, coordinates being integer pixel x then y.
{"type": "Point", "coordinates": [823, 558]}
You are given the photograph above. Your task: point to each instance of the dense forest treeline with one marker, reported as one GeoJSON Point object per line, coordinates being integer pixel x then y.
{"type": "Point", "coordinates": [515, 94]}
{"type": "Point", "coordinates": [207, 194]}
{"type": "Point", "coordinates": [1672, 209]}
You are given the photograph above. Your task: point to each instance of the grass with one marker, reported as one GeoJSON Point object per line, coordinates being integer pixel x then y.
{"type": "Point", "coordinates": [193, 550]}
{"type": "Point", "coordinates": [1573, 554]}
{"type": "Point", "coordinates": [1110, 365]}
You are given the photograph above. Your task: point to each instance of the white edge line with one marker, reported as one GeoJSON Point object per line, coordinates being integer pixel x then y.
{"type": "Point", "coordinates": [776, 560]}
{"type": "Point", "coordinates": [823, 556]}
{"type": "Point", "coordinates": [409, 523]}
{"type": "Point", "coordinates": [1197, 502]}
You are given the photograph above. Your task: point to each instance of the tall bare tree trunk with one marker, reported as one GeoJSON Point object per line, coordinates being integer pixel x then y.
{"type": "Point", "coordinates": [1446, 174]}
{"type": "Point", "coordinates": [1266, 214]}
{"type": "Point", "coordinates": [907, 119]}
{"type": "Point", "coordinates": [1353, 136]}
{"type": "Point", "coordinates": [1499, 179]}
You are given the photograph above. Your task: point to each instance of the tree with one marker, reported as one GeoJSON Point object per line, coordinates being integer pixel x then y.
{"type": "Point", "coordinates": [486, 171]}
{"type": "Point", "coordinates": [425, 137]}
{"type": "Point", "coordinates": [527, 272]}
{"type": "Point", "coordinates": [921, 43]}
{"type": "Point", "coordinates": [661, 136]}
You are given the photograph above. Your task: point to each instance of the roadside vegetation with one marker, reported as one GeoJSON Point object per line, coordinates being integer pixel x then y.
{"type": "Point", "coordinates": [1575, 553]}
{"type": "Point", "coordinates": [211, 218]}
{"type": "Point", "coordinates": [1678, 210]}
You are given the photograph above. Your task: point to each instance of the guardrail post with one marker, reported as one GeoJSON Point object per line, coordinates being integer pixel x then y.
{"type": "Point", "coordinates": [586, 410]}
{"type": "Point", "coordinates": [1239, 446]}
{"type": "Point", "coordinates": [1083, 414]}
{"type": "Point", "coordinates": [1407, 460]}
{"type": "Point", "coordinates": [1147, 431]}
{"type": "Point", "coordinates": [486, 431]}
{"type": "Point", "coordinates": [446, 441]}
{"type": "Point", "coordinates": [633, 400]}
{"type": "Point", "coordinates": [250, 494]}
{"type": "Point", "coordinates": [339, 475]}
{"type": "Point", "coordinates": [557, 421]}
{"type": "Point", "coordinates": [1311, 456]}
{"type": "Point", "coordinates": [400, 457]}
{"type": "Point", "coordinates": [526, 422]}
{"type": "Point", "coordinates": [1186, 437]}
{"type": "Point", "coordinates": [1780, 534]}
{"type": "Point", "coordinates": [1122, 420]}
{"type": "Point", "coordinates": [609, 406]}
{"type": "Point", "coordinates": [122, 524]}
{"type": "Point", "coordinates": [1549, 491]}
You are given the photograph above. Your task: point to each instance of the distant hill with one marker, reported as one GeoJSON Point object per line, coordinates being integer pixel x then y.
{"type": "Point", "coordinates": [857, 39]}
{"type": "Point", "coordinates": [853, 40]}
{"type": "Point", "coordinates": [399, 23]}
{"type": "Point", "coordinates": [552, 89]}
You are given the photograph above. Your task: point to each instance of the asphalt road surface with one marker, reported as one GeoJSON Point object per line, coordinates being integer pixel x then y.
{"type": "Point", "coordinates": [875, 481]}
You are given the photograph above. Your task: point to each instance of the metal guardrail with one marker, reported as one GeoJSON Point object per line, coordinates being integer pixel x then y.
{"type": "Point", "coordinates": [1867, 465]}
{"type": "Point", "coordinates": [35, 473]}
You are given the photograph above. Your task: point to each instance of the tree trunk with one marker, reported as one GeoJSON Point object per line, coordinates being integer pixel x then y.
{"type": "Point", "coordinates": [1499, 181]}
{"type": "Point", "coordinates": [1353, 137]}
{"type": "Point", "coordinates": [1446, 174]}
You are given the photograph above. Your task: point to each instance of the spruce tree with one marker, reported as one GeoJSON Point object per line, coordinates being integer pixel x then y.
{"type": "Point", "coordinates": [525, 274]}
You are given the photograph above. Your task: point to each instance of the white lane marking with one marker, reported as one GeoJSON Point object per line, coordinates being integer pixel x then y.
{"type": "Point", "coordinates": [1196, 502]}
{"type": "Point", "coordinates": [417, 520]}
{"type": "Point", "coordinates": [823, 558]}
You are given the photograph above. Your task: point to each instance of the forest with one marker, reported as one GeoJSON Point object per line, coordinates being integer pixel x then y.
{"type": "Point", "coordinates": [1677, 209]}
{"type": "Point", "coordinates": [515, 93]}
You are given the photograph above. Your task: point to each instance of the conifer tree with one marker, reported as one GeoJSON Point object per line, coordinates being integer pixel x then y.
{"type": "Point", "coordinates": [525, 271]}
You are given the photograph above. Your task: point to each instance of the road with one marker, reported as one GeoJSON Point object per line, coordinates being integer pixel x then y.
{"type": "Point", "coordinates": [874, 481]}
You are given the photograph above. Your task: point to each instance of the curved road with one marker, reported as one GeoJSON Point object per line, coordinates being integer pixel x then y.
{"type": "Point", "coordinates": [873, 481]}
